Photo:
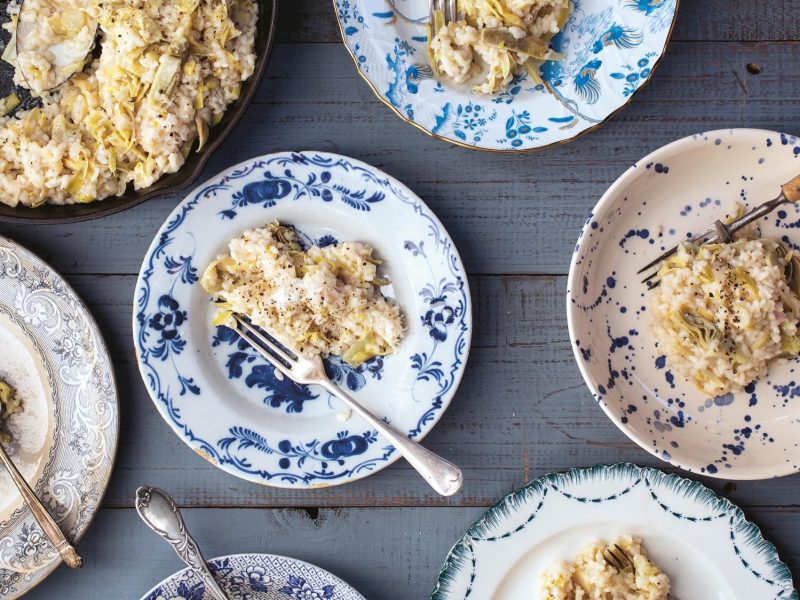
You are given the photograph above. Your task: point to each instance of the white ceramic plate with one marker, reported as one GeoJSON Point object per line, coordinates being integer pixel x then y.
{"type": "Point", "coordinates": [224, 400]}
{"type": "Point", "coordinates": [611, 48]}
{"type": "Point", "coordinates": [257, 577]}
{"type": "Point", "coordinates": [65, 440]}
{"type": "Point", "coordinates": [702, 542]}
{"type": "Point", "coordinates": [679, 189]}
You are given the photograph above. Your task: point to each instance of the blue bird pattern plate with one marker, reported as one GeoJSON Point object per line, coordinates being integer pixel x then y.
{"type": "Point", "coordinates": [227, 402]}
{"type": "Point", "coordinates": [257, 577]}
{"type": "Point", "coordinates": [611, 48]}
{"type": "Point", "coordinates": [678, 190]}
{"type": "Point", "coordinates": [703, 543]}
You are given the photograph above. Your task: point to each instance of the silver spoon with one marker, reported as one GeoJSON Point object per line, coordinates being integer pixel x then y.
{"type": "Point", "coordinates": [46, 522]}
{"type": "Point", "coordinates": [159, 511]}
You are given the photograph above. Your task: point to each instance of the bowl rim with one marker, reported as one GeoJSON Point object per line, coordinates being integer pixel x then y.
{"type": "Point", "coordinates": [612, 115]}
{"type": "Point", "coordinates": [605, 201]}
{"type": "Point", "coordinates": [191, 176]}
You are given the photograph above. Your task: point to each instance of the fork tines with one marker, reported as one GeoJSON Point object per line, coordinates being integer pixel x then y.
{"type": "Point", "coordinates": [617, 557]}
{"type": "Point", "coordinates": [281, 357]}
{"type": "Point", "coordinates": [448, 9]}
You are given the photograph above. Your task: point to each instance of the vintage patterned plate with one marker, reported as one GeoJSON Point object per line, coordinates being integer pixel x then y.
{"type": "Point", "coordinates": [611, 48]}
{"type": "Point", "coordinates": [679, 189]}
{"type": "Point", "coordinates": [224, 400]}
{"type": "Point", "coordinates": [702, 542]}
{"type": "Point", "coordinates": [65, 440]}
{"type": "Point", "coordinates": [257, 577]}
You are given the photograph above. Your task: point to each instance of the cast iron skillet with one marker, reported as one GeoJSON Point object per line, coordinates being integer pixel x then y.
{"type": "Point", "coordinates": [188, 173]}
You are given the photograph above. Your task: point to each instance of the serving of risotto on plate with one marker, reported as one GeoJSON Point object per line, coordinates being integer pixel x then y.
{"type": "Point", "coordinates": [321, 301]}
{"type": "Point", "coordinates": [722, 312]}
{"type": "Point", "coordinates": [589, 576]}
{"type": "Point", "coordinates": [496, 40]}
{"type": "Point", "coordinates": [165, 73]}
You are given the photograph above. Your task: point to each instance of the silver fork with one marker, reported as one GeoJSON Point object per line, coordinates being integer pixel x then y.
{"type": "Point", "coordinates": [448, 9]}
{"type": "Point", "coordinates": [790, 193]}
{"type": "Point", "coordinates": [442, 475]}
{"type": "Point", "coordinates": [618, 558]}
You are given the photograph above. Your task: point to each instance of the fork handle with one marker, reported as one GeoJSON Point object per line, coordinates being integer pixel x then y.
{"type": "Point", "coordinates": [442, 475]}
{"type": "Point", "coordinates": [43, 518]}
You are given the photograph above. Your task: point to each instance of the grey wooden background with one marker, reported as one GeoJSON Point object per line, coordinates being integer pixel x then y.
{"type": "Point", "coordinates": [522, 409]}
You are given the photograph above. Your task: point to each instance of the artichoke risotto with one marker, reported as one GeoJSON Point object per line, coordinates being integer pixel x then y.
{"type": "Point", "coordinates": [589, 577]}
{"type": "Point", "coordinates": [496, 40]}
{"type": "Point", "coordinates": [319, 301]}
{"type": "Point", "coordinates": [10, 405]}
{"type": "Point", "coordinates": [166, 73]}
{"type": "Point", "coordinates": [722, 312]}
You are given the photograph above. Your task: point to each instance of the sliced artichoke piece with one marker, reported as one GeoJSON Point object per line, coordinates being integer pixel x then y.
{"type": "Point", "coordinates": [53, 42]}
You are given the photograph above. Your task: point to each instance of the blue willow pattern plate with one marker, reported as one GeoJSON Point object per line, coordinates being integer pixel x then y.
{"type": "Point", "coordinates": [257, 577]}
{"type": "Point", "coordinates": [225, 401]}
{"type": "Point", "coordinates": [679, 189]}
{"type": "Point", "coordinates": [611, 48]}
{"type": "Point", "coordinates": [53, 353]}
{"type": "Point", "coordinates": [702, 542]}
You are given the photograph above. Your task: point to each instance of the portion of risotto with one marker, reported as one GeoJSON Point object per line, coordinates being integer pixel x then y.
{"type": "Point", "coordinates": [10, 404]}
{"type": "Point", "coordinates": [318, 301]}
{"type": "Point", "coordinates": [167, 71]}
{"type": "Point", "coordinates": [589, 577]}
{"type": "Point", "coordinates": [722, 312]}
{"type": "Point", "coordinates": [496, 40]}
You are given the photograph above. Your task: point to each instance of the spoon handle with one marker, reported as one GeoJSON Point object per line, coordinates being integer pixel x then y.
{"type": "Point", "coordinates": [46, 522]}
{"type": "Point", "coordinates": [159, 511]}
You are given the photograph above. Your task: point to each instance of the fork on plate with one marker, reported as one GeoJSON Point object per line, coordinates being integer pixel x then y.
{"type": "Point", "coordinates": [442, 475]}
{"type": "Point", "coordinates": [718, 232]}
{"type": "Point", "coordinates": [448, 9]}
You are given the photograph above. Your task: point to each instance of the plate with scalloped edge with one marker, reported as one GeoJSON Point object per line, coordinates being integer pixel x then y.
{"type": "Point", "coordinates": [611, 49]}
{"type": "Point", "coordinates": [657, 203]}
{"type": "Point", "coordinates": [225, 401]}
{"type": "Point", "coordinates": [257, 577]}
{"type": "Point", "coordinates": [703, 542]}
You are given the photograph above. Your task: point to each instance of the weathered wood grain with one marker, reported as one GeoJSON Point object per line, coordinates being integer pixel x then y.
{"type": "Point", "coordinates": [522, 410]}
{"type": "Point", "coordinates": [386, 554]}
{"type": "Point", "coordinates": [507, 214]}
{"type": "Point", "coordinates": [312, 21]}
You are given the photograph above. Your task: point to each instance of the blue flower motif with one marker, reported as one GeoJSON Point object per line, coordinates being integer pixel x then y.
{"type": "Point", "coordinates": [167, 322]}
{"type": "Point", "coordinates": [438, 316]}
{"type": "Point", "coordinates": [258, 578]}
{"type": "Point", "coordinates": [299, 589]}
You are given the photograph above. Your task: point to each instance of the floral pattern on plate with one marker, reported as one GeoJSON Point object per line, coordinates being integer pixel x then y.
{"type": "Point", "coordinates": [703, 542]}
{"type": "Point", "coordinates": [611, 48]}
{"type": "Point", "coordinates": [678, 190]}
{"type": "Point", "coordinates": [266, 428]}
{"type": "Point", "coordinates": [257, 577]}
{"type": "Point", "coordinates": [38, 307]}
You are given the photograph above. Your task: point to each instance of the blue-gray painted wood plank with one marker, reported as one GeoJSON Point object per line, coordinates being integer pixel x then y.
{"type": "Point", "coordinates": [522, 409]}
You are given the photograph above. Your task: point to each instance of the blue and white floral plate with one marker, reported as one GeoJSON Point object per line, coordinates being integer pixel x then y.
{"type": "Point", "coordinates": [224, 400]}
{"type": "Point", "coordinates": [662, 199]}
{"type": "Point", "coordinates": [257, 577]}
{"type": "Point", "coordinates": [702, 542]}
{"type": "Point", "coordinates": [65, 440]}
{"type": "Point", "coordinates": [611, 48]}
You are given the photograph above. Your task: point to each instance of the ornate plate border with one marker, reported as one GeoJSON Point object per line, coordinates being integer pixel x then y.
{"type": "Point", "coordinates": [682, 503]}
{"type": "Point", "coordinates": [514, 130]}
{"type": "Point", "coordinates": [82, 454]}
{"type": "Point", "coordinates": [169, 270]}
{"type": "Point", "coordinates": [248, 576]}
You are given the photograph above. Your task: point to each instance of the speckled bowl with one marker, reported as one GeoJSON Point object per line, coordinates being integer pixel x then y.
{"type": "Point", "coordinates": [662, 199]}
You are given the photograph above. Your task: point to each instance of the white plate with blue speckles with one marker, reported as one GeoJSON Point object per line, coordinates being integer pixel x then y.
{"type": "Point", "coordinates": [702, 542]}
{"type": "Point", "coordinates": [674, 192]}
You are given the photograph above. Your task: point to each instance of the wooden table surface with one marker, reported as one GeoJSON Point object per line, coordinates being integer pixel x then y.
{"type": "Point", "coordinates": [522, 409]}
